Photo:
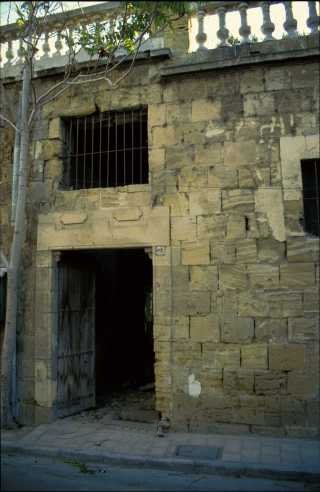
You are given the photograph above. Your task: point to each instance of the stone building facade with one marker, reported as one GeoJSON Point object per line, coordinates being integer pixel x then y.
{"type": "Point", "coordinates": [235, 275]}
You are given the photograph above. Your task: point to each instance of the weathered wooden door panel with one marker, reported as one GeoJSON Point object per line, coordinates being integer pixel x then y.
{"type": "Point", "coordinates": [76, 338]}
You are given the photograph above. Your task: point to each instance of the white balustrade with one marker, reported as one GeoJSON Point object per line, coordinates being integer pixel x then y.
{"type": "Point", "coordinates": [245, 29]}
{"type": "Point", "coordinates": [223, 32]}
{"type": "Point", "coordinates": [221, 11]}
{"type": "Point", "coordinates": [267, 27]}
{"type": "Point", "coordinates": [290, 24]}
{"type": "Point", "coordinates": [313, 20]}
{"type": "Point", "coordinates": [201, 37]}
{"type": "Point", "coordinates": [53, 48]}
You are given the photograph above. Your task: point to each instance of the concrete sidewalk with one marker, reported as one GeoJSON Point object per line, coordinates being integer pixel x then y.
{"type": "Point", "coordinates": [137, 444]}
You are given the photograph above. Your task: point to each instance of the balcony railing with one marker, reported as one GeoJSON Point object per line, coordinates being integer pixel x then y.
{"type": "Point", "coordinates": [219, 11]}
{"type": "Point", "coordinates": [52, 47]}
{"type": "Point", "coordinates": [53, 50]}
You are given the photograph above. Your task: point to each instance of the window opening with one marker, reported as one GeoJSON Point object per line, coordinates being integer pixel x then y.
{"type": "Point", "coordinates": [106, 150]}
{"type": "Point", "coordinates": [310, 169]}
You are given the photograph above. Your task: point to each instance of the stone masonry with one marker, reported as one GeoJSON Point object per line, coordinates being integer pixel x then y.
{"type": "Point", "coordinates": [236, 278]}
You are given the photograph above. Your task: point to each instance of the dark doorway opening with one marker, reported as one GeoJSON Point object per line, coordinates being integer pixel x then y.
{"type": "Point", "coordinates": [123, 328]}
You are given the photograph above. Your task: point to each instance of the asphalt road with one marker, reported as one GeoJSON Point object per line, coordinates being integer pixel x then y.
{"type": "Point", "coordinates": [19, 472]}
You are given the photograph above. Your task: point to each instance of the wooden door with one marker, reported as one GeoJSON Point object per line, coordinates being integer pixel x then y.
{"type": "Point", "coordinates": [76, 338]}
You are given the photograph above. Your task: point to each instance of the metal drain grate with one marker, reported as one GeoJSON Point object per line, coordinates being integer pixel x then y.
{"type": "Point", "coordinates": [199, 452]}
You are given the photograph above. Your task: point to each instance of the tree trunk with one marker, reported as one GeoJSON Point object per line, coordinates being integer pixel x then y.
{"type": "Point", "coordinates": [9, 342]}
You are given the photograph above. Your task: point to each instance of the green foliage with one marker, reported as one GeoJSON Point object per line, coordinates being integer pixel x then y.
{"type": "Point", "coordinates": [124, 29]}
{"type": "Point", "coordinates": [232, 40]}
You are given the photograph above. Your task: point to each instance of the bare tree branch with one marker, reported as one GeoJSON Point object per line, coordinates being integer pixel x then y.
{"type": "Point", "coordinates": [9, 122]}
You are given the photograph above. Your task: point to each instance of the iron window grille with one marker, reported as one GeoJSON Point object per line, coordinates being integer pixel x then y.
{"type": "Point", "coordinates": [106, 150]}
{"type": "Point", "coordinates": [310, 170]}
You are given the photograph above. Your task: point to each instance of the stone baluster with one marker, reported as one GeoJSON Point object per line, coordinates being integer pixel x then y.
{"type": "Point", "coordinates": [201, 37]}
{"type": "Point", "coordinates": [290, 24]}
{"type": "Point", "coordinates": [9, 53]}
{"type": "Point", "coordinates": [313, 20]}
{"type": "Point", "coordinates": [245, 29]}
{"type": "Point", "coordinates": [223, 32]}
{"type": "Point", "coordinates": [21, 51]}
{"type": "Point", "coordinates": [58, 44]}
{"type": "Point", "coordinates": [267, 27]}
{"type": "Point", "coordinates": [46, 45]}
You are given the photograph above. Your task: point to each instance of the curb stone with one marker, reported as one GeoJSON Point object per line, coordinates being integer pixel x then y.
{"type": "Point", "coordinates": [217, 467]}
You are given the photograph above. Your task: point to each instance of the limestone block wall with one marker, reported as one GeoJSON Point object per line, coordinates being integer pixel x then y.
{"type": "Point", "coordinates": [236, 284]}
{"type": "Point", "coordinates": [242, 338]}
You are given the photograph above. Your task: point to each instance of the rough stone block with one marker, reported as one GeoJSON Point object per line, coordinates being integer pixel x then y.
{"type": "Point", "coordinates": [251, 81]}
{"type": "Point", "coordinates": [156, 158]}
{"type": "Point", "coordinates": [270, 383]}
{"type": "Point", "coordinates": [246, 251]}
{"type": "Point", "coordinates": [205, 202]}
{"type": "Point", "coordinates": [193, 178]}
{"type": "Point", "coordinates": [286, 357]}
{"type": "Point", "coordinates": [232, 277]}
{"type": "Point", "coordinates": [258, 104]}
{"type": "Point", "coordinates": [238, 330]}
{"type": "Point", "coordinates": [223, 252]}
{"type": "Point", "coordinates": [51, 149]}
{"type": "Point", "coordinates": [204, 110]}
{"type": "Point", "coordinates": [271, 330]}
{"type": "Point", "coordinates": [204, 278]}
{"type": "Point", "coordinates": [222, 177]}
{"type": "Point", "coordinates": [247, 178]}
{"type": "Point", "coordinates": [311, 301]}
{"type": "Point", "coordinates": [178, 113]}
{"type": "Point", "coordinates": [241, 380]}
{"type": "Point", "coordinates": [178, 204]}
{"type": "Point", "coordinates": [270, 202]}
{"type": "Point", "coordinates": [183, 228]}
{"type": "Point", "coordinates": [303, 329]}
{"type": "Point", "coordinates": [164, 136]}
{"type": "Point", "coordinates": [263, 276]}
{"type": "Point", "coordinates": [191, 303]}
{"type": "Point", "coordinates": [195, 253]}
{"type": "Point", "coordinates": [297, 275]}
{"type": "Point", "coordinates": [55, 128]}
{"type": "Point", "coordinates": [238, 154]}
{"type": "Point", "coordinates": [236, 227]}
{"type": "Point", "coordinates": [204, 328]}
{"type": "Point", "coordinates": [272, 304]}
{"type": "Point", "coordinates": [173, 276]}
{"type": "Point", "coordinates": [222, 357]}
{"type": "Point", "coordinates": [277, 78]}
{"type": "Point", "coordinates": [211, 227]}
{"type": "Point", "coordinates": [254, 356]}
{"type": "Point", "coordinates": [303, 385]}
{"type": "Point", "coordinates": [238, 201]}
{"type": "Point", "coordinates": [157, 115]}
{"type": "Point", "coordinates": [209, 156]}
{"type": "Point", "coordinates": [270, 250]}
{"type": "Point", "coordinates": [210, 379]}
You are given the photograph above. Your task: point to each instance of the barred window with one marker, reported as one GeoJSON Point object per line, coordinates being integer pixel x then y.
{"type": "Point", "coordinates": [310, 169]}
{"type": "Point", "coordinates": [106, 149]}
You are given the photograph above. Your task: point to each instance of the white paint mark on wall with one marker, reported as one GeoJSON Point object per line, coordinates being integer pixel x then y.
{"type": "Point", "coordinates": [194, 387]}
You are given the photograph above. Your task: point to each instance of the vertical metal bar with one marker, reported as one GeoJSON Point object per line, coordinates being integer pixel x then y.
{"type": "Point", "coordinates": [92, 142]}
{"type": "Point", "coordinates": [140, 121]}
{"type": "Point", "coordinates": [69, 154]}
{"type": "Point", "coordinates": [100, 148]}
{"type": "Point", "coordinates": [77, 154]}
{"type": "Point", "coordinates": [317, 194]}
{"type": "Point", "coordinates": [84, 151]}
{"type": "Point", "coordinates": [116, 139]}
{"type": "Point", "coordinates": [124, 148]}
{"type": "Point", "coordinates": [108, 149]}
{"type": "Point", "coordinates": [132, 138]}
